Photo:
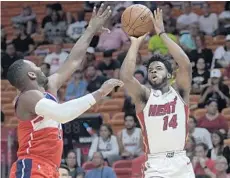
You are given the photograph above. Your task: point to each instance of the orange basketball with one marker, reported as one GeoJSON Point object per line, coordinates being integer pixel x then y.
{"type": "Point", "coordinates": [136, 20]}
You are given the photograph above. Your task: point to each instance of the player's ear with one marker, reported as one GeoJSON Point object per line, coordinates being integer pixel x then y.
{"type": "Point", "coordinates": [32, 75]}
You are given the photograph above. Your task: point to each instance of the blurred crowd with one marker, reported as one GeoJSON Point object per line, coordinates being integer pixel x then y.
{"type": "Point", "coordinates": [205, 145]}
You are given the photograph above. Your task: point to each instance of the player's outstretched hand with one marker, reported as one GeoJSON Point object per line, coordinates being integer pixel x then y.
{"type": "Point", "coordinates": [109, 85]}
{"type": "Point", "coordinates": [158, 21]}
{"type": "Point", "coordinates": [138, 40]}
{"type": "Point", "coordinates": [99, 18]}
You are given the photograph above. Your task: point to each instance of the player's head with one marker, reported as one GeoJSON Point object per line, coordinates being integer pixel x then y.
{"type": "Point", "coordinates": [130, 121]}
{"type": "Point", "coordinates": [106, 131]}
{"type": "Point", "coordinates": [71, 159]}
{"type": "Point", "coordinates": [98, 159]}
{"type": "Point", "coordinates": [24, 74]}
{"type": "Point", "coordinates": [201, 150]}
{"type": "Point", "coordinates": [159, 71]}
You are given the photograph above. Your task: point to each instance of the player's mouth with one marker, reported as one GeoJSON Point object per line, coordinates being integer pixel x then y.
{"type": "Point", "coordinates": [154, 78]}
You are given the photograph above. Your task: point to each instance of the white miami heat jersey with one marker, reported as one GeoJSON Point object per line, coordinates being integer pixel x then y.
{"type": "Point", "coordinates": [164, 122]}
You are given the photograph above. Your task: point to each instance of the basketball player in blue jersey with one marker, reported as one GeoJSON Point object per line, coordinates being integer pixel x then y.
{"type": "Point", "coordinates": [162, 109]}
{"type": "Point", "coordinates": [39, 113]}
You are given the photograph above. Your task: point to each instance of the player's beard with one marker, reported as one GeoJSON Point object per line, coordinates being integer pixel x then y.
{"type": "Point", "coordinates": [42, 80]}
{"type": "Point", "coordinates": [158, 86]}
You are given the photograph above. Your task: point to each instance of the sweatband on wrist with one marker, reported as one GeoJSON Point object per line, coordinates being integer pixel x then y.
{"type": "Point", "coordinates": [64, 112]}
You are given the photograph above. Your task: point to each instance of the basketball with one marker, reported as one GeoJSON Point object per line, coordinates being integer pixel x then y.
{"type": "Point", "coordinates": [136, 20]}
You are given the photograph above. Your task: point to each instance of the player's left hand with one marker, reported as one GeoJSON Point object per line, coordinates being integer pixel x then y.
{"type": "Point", "coordinates": [99, 18]}
{"type": "Point", "coordinates": [158, 21]}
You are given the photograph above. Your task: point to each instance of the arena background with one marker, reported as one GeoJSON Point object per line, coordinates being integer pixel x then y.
{"type": "Point", "coordinates": [109, 111]}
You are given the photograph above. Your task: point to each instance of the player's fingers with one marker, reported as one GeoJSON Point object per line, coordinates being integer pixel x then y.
{"type": "Point", "coordinates": [153, 19]}
{"type": "Point", "coordinates": [161, 15]}
{"type": "Point", "coordinates": [106, 11]}
{"type": "Point", "coordinates": [100, 11]}
{"type": "Point", "coordinates": [155, 15]}
{"type": "Point", "coordinates": [94, 11]}
{"type": "Point", "coordinates": [158, 13]}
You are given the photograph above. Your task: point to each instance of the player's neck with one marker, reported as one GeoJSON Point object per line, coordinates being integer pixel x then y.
{"type": "Point", "coordinates": [33, 87]}
{"type": "Point", "coordinates": [165, 89]}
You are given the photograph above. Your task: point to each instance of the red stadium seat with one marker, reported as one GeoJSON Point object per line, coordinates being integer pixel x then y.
{"type": "Point", "coordinates": [138, 166]}
{"type": "Point", "coordinates": [122, 164]}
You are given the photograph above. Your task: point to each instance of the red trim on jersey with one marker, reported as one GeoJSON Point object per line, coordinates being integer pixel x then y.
{"type": "Point", "coordinates": [186, 109]}
{"type": "Point", "coordinates": [141, 118]}
{"type": "Point", "coordinates": [38, 119]}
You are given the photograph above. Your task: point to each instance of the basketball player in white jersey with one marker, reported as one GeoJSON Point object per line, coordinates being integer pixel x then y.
{"type": "Point", "coordinates": [163, 109]}
{"type": "Point", "coordinates": [130, 139]}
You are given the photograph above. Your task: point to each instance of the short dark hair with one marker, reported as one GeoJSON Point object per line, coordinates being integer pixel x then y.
{"type": "Point", "coordinates": [194, 119]}
{"type": "Point", "coordinates": [63, 166]}
{"type": "Point", "coordinates": [139, 72]}
{"type": "Point", "coordinates": [210, 100]}
{"type": "Point", "coordinates": [131, 115]}
{"type": "Point", "coordinates": [161, 58]}
{"type": "Point", "coordinates": [205, 147]}
{"type": "Point", "coordinates": [47, 65]}
{"type": "Point", "coordinates": [169, 4]}
{"type": "Point", "coordinates": [16, 73]}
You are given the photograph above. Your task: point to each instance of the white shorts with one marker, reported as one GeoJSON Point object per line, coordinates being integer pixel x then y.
{"type": "Point", "coordinates": [169, 165]}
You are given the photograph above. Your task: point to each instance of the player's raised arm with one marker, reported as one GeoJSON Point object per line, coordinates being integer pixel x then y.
{"type": "Point", "coordinates": [184, 74]}
{"type": "Point", "coordinates": [77, 54]}
{"type": "Point", "coordinates": [67, 111]}
{"type": "Point", "coordinates": [135, 89]}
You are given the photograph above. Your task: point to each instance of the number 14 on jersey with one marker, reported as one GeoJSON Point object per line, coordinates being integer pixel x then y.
{"type": "Point", "coordinates": [170, 122]}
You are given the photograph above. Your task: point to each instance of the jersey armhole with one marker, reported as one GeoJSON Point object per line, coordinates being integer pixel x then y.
{"type": "Point", "coordinates": [178, 94]}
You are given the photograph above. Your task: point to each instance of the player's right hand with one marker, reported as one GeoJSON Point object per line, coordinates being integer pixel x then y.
{"type": "Point", "coordinates": [99, 18]}
{"type": "Point", "coordinates": [138, 41]}
{"type": "Point", "coordinates": [109, 85]}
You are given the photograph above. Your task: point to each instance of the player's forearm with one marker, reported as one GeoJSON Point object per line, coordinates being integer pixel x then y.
{"type": "Point", "coordinates": [176, 51]}
{"type": "Point", "coordinates": [129, 65]}
{"type": "Point", "coordinates": [69, 110]}
{"type": "Point", "coordinates": [79, 50]}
